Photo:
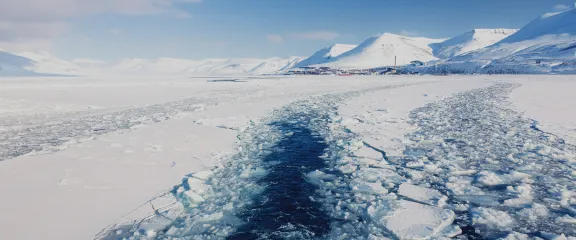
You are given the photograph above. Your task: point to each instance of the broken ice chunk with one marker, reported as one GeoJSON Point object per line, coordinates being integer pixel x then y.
{"type": "Point", "coordinates": [492, 219]}
{"type": "Point", "coordinates": [194, 197]}
{"type": "Point", "coordinates": [204, 175]}
{"type": "Point", "coordinates": [421, 194]}
{"type": "Point", "coordinates": [410, 220]}
{"type": "Point", "coordinates": [537, 211]}
{"type": "Point", "coordinates": [516, 236]}
{"type": "Point", "coordinates": [464, 172]}
{"type": "Point", "coordinates": [566, 219]}
{"type": "Point", "coordinates": [367, 152]}
{"type": "Point", "coordinates": [489, 178]}
{"type": "Point", "coordinates": [368, 187]}
{"type": "Point", "coordinates": [198, 186]}
{"type": "Point", "coordinates": [451, 231]}
{"type": "Point", "coordinates": [552, 236]}
{"type": "Point", "coordinates": [253, 172]}
{"type": "Point", "coordinates": [374, 174]}
{"type": "Point", "coordinates": [317, 177]}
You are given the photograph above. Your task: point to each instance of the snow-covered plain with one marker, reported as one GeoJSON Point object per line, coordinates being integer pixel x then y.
{"type": "Point", "coordinates": [406, 157]}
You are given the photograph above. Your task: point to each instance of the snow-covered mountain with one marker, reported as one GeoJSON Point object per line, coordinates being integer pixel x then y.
{"type": "Point", "coordinates": [39, 63]}
{"type": "Point", "coordinates": [43, 62]}
{"type": "Point", "coordinates": [470, 41]}
{"type": "Point", "coordinates": [547, 44]}
{"type": "Point", "coordinates": [35, 64]}
{"type": "Point", "coordinates": [13, 65]}
{"type": "Point", "coordinates": [326, 54]}
{"type": "Point", "coordinates": [274, 65]}
{"type": "Point", "coordinates": [380, 51]}
{"type": "Point", "coordinates": [223, 66]}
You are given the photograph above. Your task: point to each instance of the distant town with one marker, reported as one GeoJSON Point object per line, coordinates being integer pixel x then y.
{"type": "Point", "coordinates": [311, 70]}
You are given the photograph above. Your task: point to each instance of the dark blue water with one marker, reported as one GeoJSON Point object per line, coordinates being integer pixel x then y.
{"type": "Point", "coordinates": [286, 209]}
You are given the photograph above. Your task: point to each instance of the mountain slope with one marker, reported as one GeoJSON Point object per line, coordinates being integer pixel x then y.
{"type": "Point", "coordinates": [548, 30]}
{"type": "Point", "coordinates": [36, 64]}
{"type": "Point", "coordinates": [470, 41]}
{"type": "Point", "coordinates": [326, 54]}
{"type": "Point", "coordinates": [13, 65]}
{"type": "Point", "coordinates": [380, 51]}
{"type": "Point", "coordinates": [547, 44]}
{"type": "Point", "coordinates": [274, 65]}
{"type": "Point", "coordinates": [48, 64]}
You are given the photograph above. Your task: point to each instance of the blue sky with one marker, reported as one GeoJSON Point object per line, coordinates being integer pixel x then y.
{"type": "Point", "coordinates": [199, 29]}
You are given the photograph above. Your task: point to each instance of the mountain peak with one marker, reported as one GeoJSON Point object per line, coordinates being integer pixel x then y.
{"type": "Point", "coordinates": [504, 31]}
{"type": "Point", "coordinates": [470, 41]}
{"type": "Point", "coordinates": [387, 34]}
{"type": "Point", "coordinates": [384, 50]}
{"type": "Point", "coordinates": [557, 24]}
{"type": "Point", "coordinates": [326, 54]}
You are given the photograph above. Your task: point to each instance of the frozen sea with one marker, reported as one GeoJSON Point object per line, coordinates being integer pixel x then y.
{"type": "Point", "coordinates": [383, 157]}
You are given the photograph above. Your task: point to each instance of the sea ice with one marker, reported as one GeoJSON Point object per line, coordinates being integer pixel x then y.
{"type": "Point", "coordinates": [410, 220]}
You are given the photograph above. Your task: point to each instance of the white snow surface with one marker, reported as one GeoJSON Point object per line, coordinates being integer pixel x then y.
{"type": "Point", "coordinates": [186, 127]}
{"type": "Point", "coordinates": [533, 98]}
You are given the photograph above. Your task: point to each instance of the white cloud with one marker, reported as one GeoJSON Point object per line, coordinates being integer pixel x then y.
{"type": "Point", "coordinates": [316, 35]}
{"type": "Point", "coordinates": [41, 20]}
{"type": "Point", "coordinates": [275, 38]}
{"type": "Point", "coordinates": [26, 45]}
{"type": "Point", "coordinates": [89, 61]}
{"type": "Point", "coordinates": [561, 7]}
{"type": "Point", "coordinates": [18, 30]}
{"type": "Point", "coordinates": [62, 9]}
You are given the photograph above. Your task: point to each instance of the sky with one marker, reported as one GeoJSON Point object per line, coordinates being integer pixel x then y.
{"type": "Point", "coordinates": [111, 30]}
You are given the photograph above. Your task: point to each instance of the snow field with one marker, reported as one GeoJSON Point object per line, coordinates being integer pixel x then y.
{"type": "Point", "coordinates": [463, 164]}
{"type": "Point", "coordinates": [112, 168]}
{"type": "Point", "coordinates": [548, 100]}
